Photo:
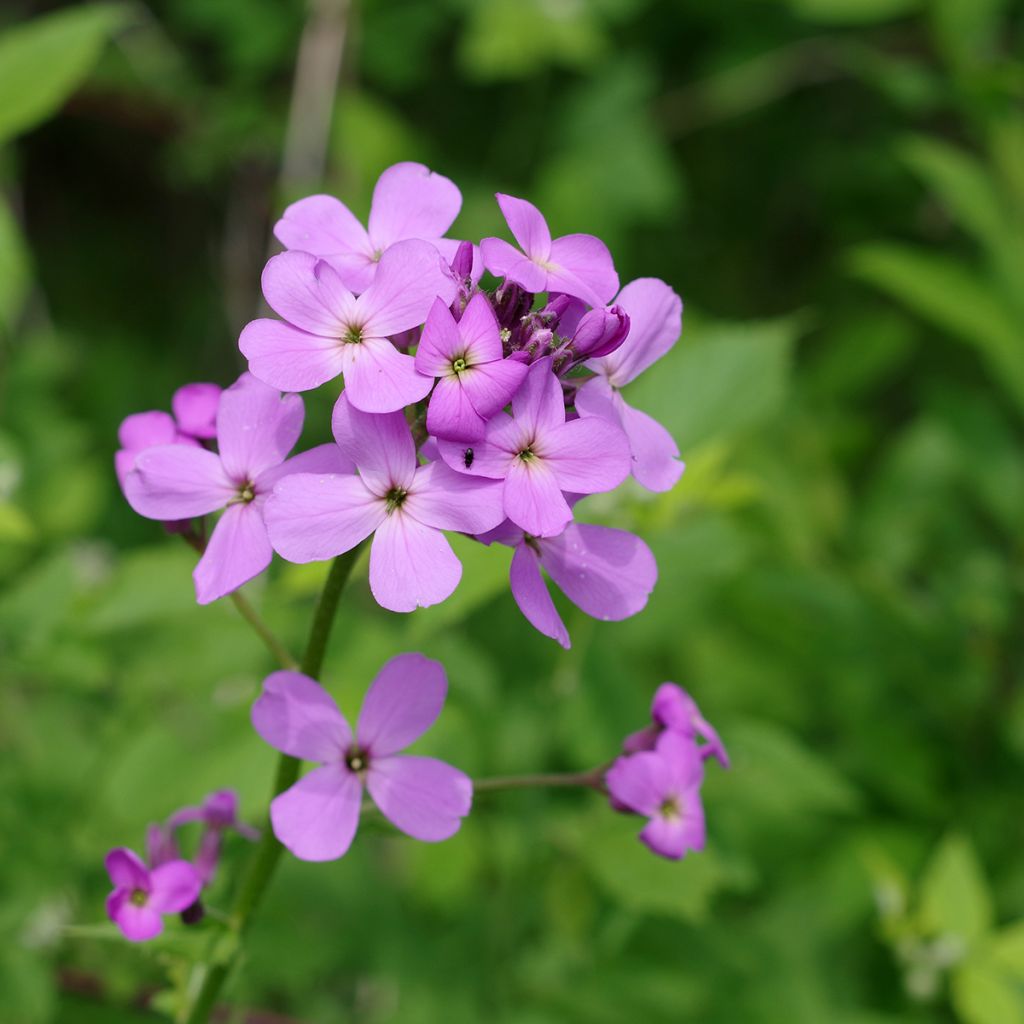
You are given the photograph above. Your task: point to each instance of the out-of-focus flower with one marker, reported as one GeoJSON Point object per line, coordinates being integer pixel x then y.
{"type": "Point", "coordinates": [142, 896]}
{"type": "Point", "coordinates": [218, 813]}
{"type": "Point", "coordinates": [675, 710]}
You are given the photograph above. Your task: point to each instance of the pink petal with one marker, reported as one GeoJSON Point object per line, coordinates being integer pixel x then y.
{"type": "Point", "coordinates": [587, 456]}
{"type": "Point", "coordinates": [298, 717]}
{"type": "Point", "coordinates": [492, 457]}
{"type": "Point", "coordinates": [174, 886]}
{"type": "Point", "coordinates": [126, 869]}
{"type": "Point", "coordinates": [195, 409]}
{"type": "Point", "coordinates": [322, 460]}
{"type": "Point", "coordinates": [411, 201]}
{"type": "Point", "coordinates": [290, 359]}
{"type": "Point", "coordinates": [506, 533]}
{"type": "Point", "coordinates": [440, 344]}
{"type": "Point", "coordinates": [505, 260]}
{"type": "Point", "coordinates": [147, 430]}
{"type": "Point", "coordinates": [450, 414]}
{"type": "Point", "coordinates": [423, 797]}
{"type": "Point", "coordinates": [528, 226]}
{"type": "Point", "coordinates": [402, 703]}
{"type": "Point", "coordinates": [238, 550]}
{"type": "Point", "coordinates": [177, 482]}
{"type": "Point", "coordinates": [380, 379]}
{"type": "Point", "coordinates": [491, 386]}
{"type": "Point", "coordinates": [323, 226]}
{"type": "Point", "coordinates": [257, 427]}
{"type": "Point", "coordinates": [655, 323]}
{"type": "Point", "coordinates": [355, 270]}
{"type": "Point", "coordinates": [586, 259]}
{"type": "Point", "coordinates": [137, 924]}
{"type": "Point", "coordinates": [411, 565]}
{"type": "Point", "coordinates": [533, 499]}
{"type": "Point", "coordinates": [478, 330]}
{"type": "Point", "coordinates": [410, 276]}
{"type": "Point", "coordinates": [446, 500]}
{"type": "Point", "coordinates": [538, 405]}
{"type": "Point", "coordinates": [608, 573]}
{"type": "Point", "coordinates": [381, 446]}
{"type": "Point", "coordinates": [682, 756]}
{"type": "Point", "coordinates": [310, 517]}
{"type": "Point", "coordinates": [292, 287]}
{"type": "Point", "coordinates": [639, 782]}
{"type": "Point", "coordinates": [674, 837]}
{"type": "Point", "coordinates": [532, 595]}
{"type": "Point", "coordinates": [317, 818]}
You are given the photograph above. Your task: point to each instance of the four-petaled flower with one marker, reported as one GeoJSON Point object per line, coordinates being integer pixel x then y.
{"type": "Point", "coordinates": [317, 818]}
{"type": "Point", "coordinates": [142, 896]}
{"type": "Point", "coordinates": [673, 709]}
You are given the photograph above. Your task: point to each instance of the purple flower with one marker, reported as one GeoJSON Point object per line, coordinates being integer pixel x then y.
{"type": "Point", "coordinates": [141, 896]}
{"type": "Point", "coordinates": [195, 409]}
{"type": "Point", "coordinates": [142, 430]}
{"type": "Point", "coordinates": [577, 265]}
{"type": "Point", "coordinates": [674, 710]}
{"type": "Point", "coordinates": [474, 381]}
{"type": "Point", "coordinates": [327, 331]}
{"type": "Point", "coordinates": [663, 785]}
{"type": "Point", "coordinates": [423, 797]}
{"type": "Point", "coordinates": [409, 201]}
{"type": "Point", "coordinates": [218, 813]}
{"type": "Point", "coordinates": [256, 428]}
{"type": "Point", "coordinates": [405, 506]}
{"type": "Point", "coordinates": [656, 320]}
{"type": "Point", "coordinates": [161, 846]}
{"type": "Point", "coordinates": [539, 455]}
{"type": "Point", "coordinates": [607, 573]}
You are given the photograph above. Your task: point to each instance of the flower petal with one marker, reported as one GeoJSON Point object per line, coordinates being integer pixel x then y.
{"type": "Point", "coordinates": [380, 379]}
{"type": "Point", "coordinates": [411, 565]}
{"type": "Point", "coordinates": [298, 717]}
{"type": "Point", "coordinates": [402, 703]}
{"type": "Point", "coordinates": [195, 409]}
{"type": "Point", "coordinates": [177, 481]}
{"type": "Point", "coordinates": [292, 288]}
{"type": "Point", "coordinates": [587, 456]}
{"type": "Point", "coordinates": [381, 446]}
{"type": "Point", "coordinates": [505, 260]}
{"type": "Point", "coordinates": [673, 837]}
{"type": "Point", "coordinates": [531, 594]}
{"type": "Point", "coordinates": [478, 329]}
{"type": "Point", "coordinates": [412, 201]}
{"type": "Point", "coordinates": [317, 818]}
{"type": "Point", "coordinates": [323, 226]}
{"type": "Point", "coordinates": [423, 797]}
{"type": "Point", "coordinates": [528, 226]}
{"type": "Point", "coordinates": [538, 405]}
{"type": "Point", "coordinates": [137, 923]}
{"type": "Point", "coordinates": [653, 450]}
{"type": "Point", "coordinates": [440, 344]}
{"type": "Point", "coordinates": [175, 886]}
{"type": "Point", "coordinates": [533, 499]}
{"type": "Point", "coordinates": [491, 386]}
{"type": "Point", "coordinates": [147, 430]}
{"type": "Point", "coordinates": [126, 869]}
{"type": "Point", "coordinates": [321, 460]}
{"type": "Point", "coordinates": [238, 550]}
{"type": "Point", "coordinates": [446, 500]}
{"type": "Point", "coordinates": [313, 517]}
{"type": "Point", "coordinates": [257, 427]}
{"type": "Point", "coordinates": [490, 458]}
{"type": "Point", "coordinates": [639, 782]}
{"type": "Point", "coordinates": [450, 414]}
{"type": "Point", "coordinates": [586, 259]}
{"type": "Point", "coordinates": [285, 357]}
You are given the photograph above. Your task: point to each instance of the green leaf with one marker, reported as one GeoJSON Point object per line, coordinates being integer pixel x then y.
{"type": "Point", "coordinates": [853, 12]}
{"type": "Point", "coordinates": [43, 61]}
{"type": "Point", "coordinates": [1007, 949]}
{"type": "Point", "coordinates": [952, 297]}
{"type": "Point", "coordinates": [955, 898]}
{"type": "Point", "coordinates": [983, 995]}
{"type": "Point", "coordinates": [14, 264]}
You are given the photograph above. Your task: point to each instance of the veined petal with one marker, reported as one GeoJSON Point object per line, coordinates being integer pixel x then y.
{"type": "Point", "coordinates": [380, 445]}
{"type": "Point", "coordinates": [322, 225]}
{"type": "Point", "coordinates": [587, 455]}
{"type": "Point", "coordinates": [257, 427]}
{"type": "Point", "coordinates": [298, 717]}
{"type": "Point", "coordinates": [586, 259]}
{"type": "Point", "coordinates": [450, 414]}
{"type": "Point", "coordinates": [491, 386]}
{"type": "Point", "coordinates": [528, 226]}
{"type": "Point", "coordinates": [289, 359]}
{"type": "Point", "coordinates": [317, 818]}
{"type": "Point", "coordinates": [538, 406]}
{"type": "Point", "coordinates": [531, 594]}
{"type": "Point", "coordinates": [177, 481]}
{"type": "Point", "coordinates": [238, 550]}
{"type": "Point", "coordinates": [380, 379]}
{"type": "Point", "coordinates": [322, 460]}
{"type": "Point", "coordinates": [411, 201]}
{"type": "Point", "coordinates": [490, 458]}
{"type": "Point", "coordinates": [292, 288]}
{"type": "Point", "coordinates": [505, 260]}
{"type": "Point", "coordinates": [478, 330]}
{"type": "Point", "coordinates": [421, 796]}
{"type": "Point", "coordinates": [440, 343]}
{"type": "Point", "coordinates": [446, 500]}
{"type": "Point", "coordinates": [311, 517]}
{"type": "Point", "coordinates": [653, 450]}
{"type": "Point", "coordinates": [411, 565]}
{"type": "Point", "coordinates": [533, 499]}
{"type": "Point", "coordinates": [402, 703]}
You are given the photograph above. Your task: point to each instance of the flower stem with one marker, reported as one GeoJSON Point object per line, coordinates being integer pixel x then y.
{"type": "Point", "coordinates": [592, 779]}
{"type": "Point", "coordinates": [276, 648]}
{"type": "Point", "coordinates": [208, 978]}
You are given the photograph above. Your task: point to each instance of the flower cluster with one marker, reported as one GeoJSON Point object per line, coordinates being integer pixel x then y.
{"type": "Point", "coordinates": [660, 775]}
{"type": "Point", "coordinates": [483, 412]}
{"type": "Point", "coordinates": [170, 884]}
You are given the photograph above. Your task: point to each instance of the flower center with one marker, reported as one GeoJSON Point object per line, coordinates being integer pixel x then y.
{"type": "Point", "coordinates": [353, 335]}
{"type": "Point", "coordinates": [357, 760]}
{"type": "Point", "coordinates": [139, 897]}
{"type": "Point", "coordinates": [394, 498]}
{"type": "Point", "coordinates": [527, 454]}
{"type": "Point", "coordinates": [246, 493]}
{"type": "Point", "coordinates": [459, 365]}
{"type": "Point", "coordinates": [670, 809]}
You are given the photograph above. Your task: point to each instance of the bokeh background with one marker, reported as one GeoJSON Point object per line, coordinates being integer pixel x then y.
{"type": "Point", "coordinates": [836, 188]}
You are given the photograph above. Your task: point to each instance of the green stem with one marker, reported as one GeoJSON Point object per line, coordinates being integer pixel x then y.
{"type": "Point", "coordinates": [276, 648]}
{"type": "Point", "coordinates": [592, 779]}
{"type": "Point", "coordinates": [208, 978]}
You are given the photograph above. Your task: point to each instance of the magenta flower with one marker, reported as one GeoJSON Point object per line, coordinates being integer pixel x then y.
{"type": "Point", "coordinates": [141, 896]}
{"type": "Point", "coordinates": [405, 506]}
{"type": "Point", "coordinates": [674, 710]}
{"type": "Point", "coordinates": [195, 409]}
{"type": "Point", "coordinates": [218, 814]}
{"type": "Point", "coordinates": [656, 320]}
{"type": "Point", "coordinates": [423, 797]}
{"type": "Point", "coordinates": [607, 573]}
{"type": "Point", "coordinates": [539, 455]}
{"type": "Point", "coordinates": [142, 430]}
{"type": "Point", "coordinates": [663, 785]}
{"type": "Point", "coordinates": [327, 331]}
{"type": "Point", "coordinates": [577, 265]}
{"type": "Point", "coordinates": [409, 201]}
{"type": "Point", "coordinates": [256, 428]}
{"type": "Point", "coordinates": [474, 381]}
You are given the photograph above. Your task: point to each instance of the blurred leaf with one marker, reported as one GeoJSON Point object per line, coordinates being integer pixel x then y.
{"type": "Point", "coordinates": [955, 899]}
{"type": "Point", "coordinates": [982, 995]}
{"type": "Point", "coordinates": [43, 61]}
{"type": "Point", "coordinates": [14, 262]}
{"type": "Point", "coordinates": [853, 12]}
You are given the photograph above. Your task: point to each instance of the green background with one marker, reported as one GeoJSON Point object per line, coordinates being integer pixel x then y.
{"type": "Point", "coordinates": [836, 188]}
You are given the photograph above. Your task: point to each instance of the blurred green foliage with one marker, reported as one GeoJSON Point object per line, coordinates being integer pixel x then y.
{"type": "Point", "coordinates": [836, 187]}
